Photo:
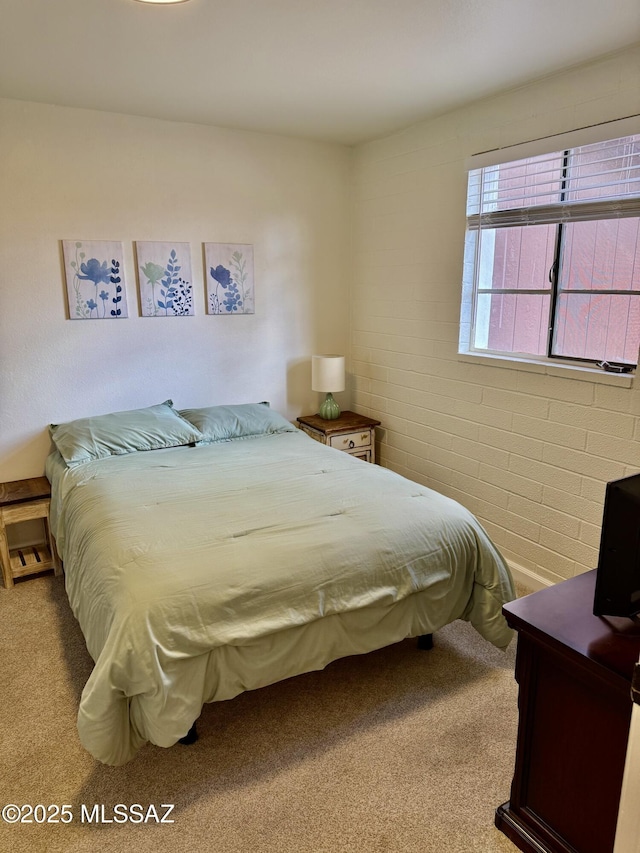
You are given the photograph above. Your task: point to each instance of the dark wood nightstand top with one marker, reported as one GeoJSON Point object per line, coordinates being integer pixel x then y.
{"type": "Point", "coordinates": [21, 491]}
{"type": "Point", "coordinates": [345, 422]}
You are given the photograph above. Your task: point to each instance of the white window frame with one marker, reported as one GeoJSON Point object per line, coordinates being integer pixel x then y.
{"type": "Point", "coordinates": [539, 364]}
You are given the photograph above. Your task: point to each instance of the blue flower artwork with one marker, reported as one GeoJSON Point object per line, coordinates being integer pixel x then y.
{"type": "Point", "coordinates": [95, 284]}
{"type": "Point", "coordinates": [164, 279]}
{"type": "Point", "coordinates": [229, 275]}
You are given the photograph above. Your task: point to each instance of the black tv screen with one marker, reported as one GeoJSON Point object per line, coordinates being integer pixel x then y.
{"type": "Point", "coordinates": [618, 574]}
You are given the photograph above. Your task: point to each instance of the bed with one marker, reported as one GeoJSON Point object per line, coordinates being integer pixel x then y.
{"type": "Point", "coordinates": [210, 562]}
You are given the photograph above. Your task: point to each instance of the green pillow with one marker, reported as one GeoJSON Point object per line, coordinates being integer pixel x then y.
{"type": "Point", "coordinates": [247, 420]}
{"type": "Point", "coordinates": [118, 433]}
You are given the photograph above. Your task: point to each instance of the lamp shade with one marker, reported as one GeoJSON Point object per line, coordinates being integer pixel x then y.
{"type": "Point", "coordinates": [327, 373]}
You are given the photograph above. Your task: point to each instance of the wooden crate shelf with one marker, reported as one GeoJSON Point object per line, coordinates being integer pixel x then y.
{"type": "Point", "coordinates": [30, 559]}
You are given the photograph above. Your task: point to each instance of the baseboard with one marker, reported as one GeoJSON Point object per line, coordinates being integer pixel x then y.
{"type": "Point", "coordinates": [528, 579]}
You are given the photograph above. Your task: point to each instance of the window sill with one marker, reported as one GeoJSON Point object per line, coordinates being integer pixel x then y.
{"type": "Point", "coordinates": [566, 370]}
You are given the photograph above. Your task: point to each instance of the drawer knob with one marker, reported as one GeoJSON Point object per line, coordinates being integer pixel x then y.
{"type": "Point", "coordinates": [352, 444]}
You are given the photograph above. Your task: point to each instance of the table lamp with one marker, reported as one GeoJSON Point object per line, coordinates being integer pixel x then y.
{"type": "Point", "coordinates": [327, 374]}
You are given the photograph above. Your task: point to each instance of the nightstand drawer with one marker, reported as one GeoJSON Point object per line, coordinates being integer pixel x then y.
{"type": "Point", "coordinates": [351, 440]}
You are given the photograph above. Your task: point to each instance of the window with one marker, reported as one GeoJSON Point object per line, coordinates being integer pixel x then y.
{"type": "Point", "coordinates": [552, 260]}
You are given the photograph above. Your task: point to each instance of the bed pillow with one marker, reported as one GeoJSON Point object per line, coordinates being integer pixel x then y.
{"type": "Point", "coordinates": [119, 433]}
{"type": "Point", "coordinates": [246, 420]}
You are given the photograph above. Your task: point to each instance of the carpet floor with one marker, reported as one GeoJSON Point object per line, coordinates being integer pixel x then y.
{"type": "Point", "coordinates": [396, 751]}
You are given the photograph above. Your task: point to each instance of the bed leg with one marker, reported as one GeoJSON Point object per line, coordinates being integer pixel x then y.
{"type": "Point", "coordinates": [190, 737]}
{"type": "Point", "coordinates": [425, 642]}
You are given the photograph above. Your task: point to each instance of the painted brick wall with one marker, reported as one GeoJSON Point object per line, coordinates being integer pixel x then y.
{"type": "Point", "coordinates": [527, 450]}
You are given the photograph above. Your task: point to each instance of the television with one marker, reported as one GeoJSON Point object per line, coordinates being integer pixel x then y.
{"type": "Point", "coordinates": [618, 573]}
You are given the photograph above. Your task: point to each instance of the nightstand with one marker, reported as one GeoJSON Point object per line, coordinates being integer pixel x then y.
{"type": "Point", "coordinates": [26, 500]}
{"type": "Point", "coordinates": [353, 433]}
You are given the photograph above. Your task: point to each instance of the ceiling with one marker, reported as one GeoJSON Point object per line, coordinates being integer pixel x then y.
{"type": "Point", "coordinates": [342, 71]}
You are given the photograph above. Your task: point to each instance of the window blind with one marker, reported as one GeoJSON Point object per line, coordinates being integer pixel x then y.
{"type": "Point", "coordinates": [596, 181]}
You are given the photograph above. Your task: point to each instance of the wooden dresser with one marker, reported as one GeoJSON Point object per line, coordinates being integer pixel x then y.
{"type": "Point", "coordinates": [574, 671]}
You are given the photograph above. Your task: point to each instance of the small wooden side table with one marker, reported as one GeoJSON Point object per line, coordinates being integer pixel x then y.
{"type": "Point", "coordinates": [26, 500]}
{"type": "Point", "coordinates": [353, 433]}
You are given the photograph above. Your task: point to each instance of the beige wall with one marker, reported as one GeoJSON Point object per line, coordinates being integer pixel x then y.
{"type": "Point", "coordinates": [78, 174]}
{"type": "Point", "coordinates": [527, 451]}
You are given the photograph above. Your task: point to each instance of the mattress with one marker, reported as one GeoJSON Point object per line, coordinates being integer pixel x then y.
{"type": "Point", "coordinates": [196, 573]}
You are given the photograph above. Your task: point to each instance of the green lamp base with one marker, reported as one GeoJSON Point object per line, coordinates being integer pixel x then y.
{"type": "Point", "coordinates": [329, 410]}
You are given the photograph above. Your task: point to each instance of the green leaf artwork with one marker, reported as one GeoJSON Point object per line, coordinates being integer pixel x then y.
{"type": "Point", "coordinates": [164, 278]}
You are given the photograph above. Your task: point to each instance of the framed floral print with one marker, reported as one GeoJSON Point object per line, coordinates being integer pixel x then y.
{"type": "Point", "coordinates": [229, 277]}
{"type": "Point", "coordinates": [164, 279]}
{"type": "Point", "coordinates": [95, 279]}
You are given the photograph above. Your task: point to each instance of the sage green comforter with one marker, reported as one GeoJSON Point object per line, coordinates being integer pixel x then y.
{"type": "Point", "coordinates": [198, 572]}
